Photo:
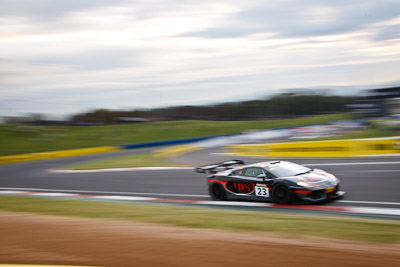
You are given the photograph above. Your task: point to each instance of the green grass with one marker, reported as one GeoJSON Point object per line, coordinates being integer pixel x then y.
{"type": "Point", "coordinates": [141, 160]}
{"type": "Point", "coordinates": [383, 231]}
{"type": "Point", "coordinates": [29, 139]}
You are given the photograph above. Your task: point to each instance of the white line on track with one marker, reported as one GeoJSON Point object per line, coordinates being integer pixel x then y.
{"type": "Point", "coordinates": [125, 198]}
{"type": "Point", "coordinates": [378, 171]}
{"type": "Point", "coordinates": [102, 192]}
{"type": "Point", "coordinates": [370, 210]}
{"type": "Point", "coordinates": [368, 202]}
{"type": "Point", "coordinates": [121, 169]}
{"type": "Point", "coordinates": [352, 163]}
{"type": "Point", "coordinates": [18, 190]}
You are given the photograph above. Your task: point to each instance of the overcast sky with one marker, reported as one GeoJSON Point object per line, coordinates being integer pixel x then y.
{"type": "Point", "coordinates": [67, 56]}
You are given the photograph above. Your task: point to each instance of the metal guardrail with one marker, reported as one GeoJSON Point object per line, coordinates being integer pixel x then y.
{"type": "Point", "coordinates": [169, 142]}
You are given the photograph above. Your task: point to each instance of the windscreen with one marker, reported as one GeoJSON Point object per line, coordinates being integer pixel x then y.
{"type": "Point", "coordinates": [287, 169]}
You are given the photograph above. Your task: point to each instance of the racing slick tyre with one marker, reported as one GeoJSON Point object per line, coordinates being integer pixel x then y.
{"type": "Point", "coordinates": [217, 192]}
{"type": "Point", "coordinates": [281, 194]}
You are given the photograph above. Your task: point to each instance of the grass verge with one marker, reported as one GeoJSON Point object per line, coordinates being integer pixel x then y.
{"type": "Point", "coordinates": [30, 139]}
{"type": "Point", "coordinates": [382, 231]}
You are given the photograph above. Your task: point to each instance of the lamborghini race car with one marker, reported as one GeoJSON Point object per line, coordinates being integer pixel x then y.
{"type": "Point", "coordinates": [278, 181]}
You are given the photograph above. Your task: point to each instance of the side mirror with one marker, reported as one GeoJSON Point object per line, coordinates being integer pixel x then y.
{"type": "Point", "coordinates": [262, 176]}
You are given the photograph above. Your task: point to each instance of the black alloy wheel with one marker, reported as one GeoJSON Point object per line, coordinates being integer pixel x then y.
{"type": "Point", "coordinates": [217, 192]}
{"type": "Point", "coordinates": [281, 194]}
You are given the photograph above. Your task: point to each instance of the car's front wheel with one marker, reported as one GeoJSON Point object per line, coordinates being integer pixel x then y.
{"type": "Point", "coordinates": [217, 192]}
{"type": "Point", "coordinates": [281, 194]}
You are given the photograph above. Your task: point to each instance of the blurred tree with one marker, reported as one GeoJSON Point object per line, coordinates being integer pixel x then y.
{"type": "Point", "coordinates": [278, 106]}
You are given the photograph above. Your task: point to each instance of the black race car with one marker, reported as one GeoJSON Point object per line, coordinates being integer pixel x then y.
{"type": "Point", "coordinates": [278, 181]}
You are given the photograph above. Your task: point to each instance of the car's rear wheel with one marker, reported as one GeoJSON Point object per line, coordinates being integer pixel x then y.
{"type": "Point", "coordinates": [217, 192]}
{"type": "Point", "coordinates": [281, 194]}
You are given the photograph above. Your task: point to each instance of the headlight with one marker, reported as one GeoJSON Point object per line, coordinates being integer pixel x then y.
{"type": "Point", "coordinates": [304, 184]}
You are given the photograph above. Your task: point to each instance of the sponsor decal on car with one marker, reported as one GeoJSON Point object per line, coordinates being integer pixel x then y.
{"type": "Point", "coordinates": [240, 188]}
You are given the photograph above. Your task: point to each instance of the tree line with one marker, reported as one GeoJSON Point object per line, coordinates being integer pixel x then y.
{"type": "Point", "coordinates": [278, 106]}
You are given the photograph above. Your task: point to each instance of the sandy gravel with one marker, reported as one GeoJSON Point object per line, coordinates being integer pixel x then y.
{"type": "Point", "coordinates": [38, 239]}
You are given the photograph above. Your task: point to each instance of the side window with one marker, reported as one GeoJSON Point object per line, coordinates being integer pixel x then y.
{"type": "Point", "coordinates": [238, 172]}
{"type": "Point", "coordinates": [253, 172]}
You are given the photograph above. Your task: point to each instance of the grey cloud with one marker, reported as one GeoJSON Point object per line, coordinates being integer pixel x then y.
{"type": "Point", "coordinates": [388, 33]}
{"type": "Point", "coordinates": [43, 9]}
{"type": "Point", "coordinates": [98, 59]}
{"type": "Point", "coordinates": [226, 32]}
{"type": "Point", "coordinates": [290, 18]}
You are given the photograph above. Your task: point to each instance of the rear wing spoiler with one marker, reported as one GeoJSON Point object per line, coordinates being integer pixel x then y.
{"type": "Point", "coordinates": [211, 168]}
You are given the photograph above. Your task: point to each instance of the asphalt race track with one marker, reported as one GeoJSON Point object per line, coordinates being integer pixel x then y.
{"type": "Point", "coordinates": [372, 182]}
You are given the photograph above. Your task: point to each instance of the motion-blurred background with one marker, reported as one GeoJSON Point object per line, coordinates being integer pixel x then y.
{"type": "Point", "coordinates": [304, 115]}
